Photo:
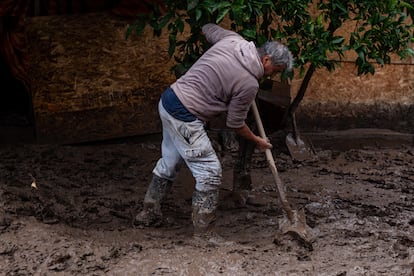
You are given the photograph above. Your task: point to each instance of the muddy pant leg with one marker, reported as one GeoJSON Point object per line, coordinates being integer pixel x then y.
{"type": "Point", "coordinates": [171, 161]}
{"type": "Point", "coordinates": [242, 180]}
{"type": "Point", "coordinates": [191, 142]}
{"type": "Point", "coordinates": [205, 166]}
{"type": "Point", "coordinates": [241, 170]}
{"type": "Point", "coordinates": [164, 174]}
{"type": "Point", "coordinates": [200, 157]}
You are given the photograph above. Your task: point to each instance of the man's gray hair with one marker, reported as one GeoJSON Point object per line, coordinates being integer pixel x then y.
{"type": "Point", "coordinates": [278, 52]}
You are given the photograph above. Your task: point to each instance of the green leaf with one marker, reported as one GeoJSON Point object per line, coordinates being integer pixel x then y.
{"type": "Point", "coordinates": [381, 27]}
{"type": "Point", "coordinates": [199, 14]}
{"type": "Point", "coordinates": [338, 40]}
{"type": "Point", "coordinates": [248, 33]}
{"type": "Point", "coordinates": [164, 20]}
{"type": "Point", "coordinates": [180, 25]}
{"type": "Point", "coordinates": [222, 13]}
{"type": "Point", "coordinates": [172, 43]}
{"type": "Point", "coordinates": [380, 61]}
{"type": "Point", "coordinates": [191, 4]}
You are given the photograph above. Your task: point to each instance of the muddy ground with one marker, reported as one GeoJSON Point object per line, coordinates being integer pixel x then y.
{"type": "Point", "coordinates": [68, 209]}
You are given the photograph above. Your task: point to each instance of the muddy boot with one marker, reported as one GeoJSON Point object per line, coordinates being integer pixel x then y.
{"type": "Point", "coordinates": [151, 214]}
{"type": "Point", "coordinates": [204, 218]}
{"type": "Point", "coordinates": [242, 180]}
{"type": "Point", "coordinates": [241, 188]}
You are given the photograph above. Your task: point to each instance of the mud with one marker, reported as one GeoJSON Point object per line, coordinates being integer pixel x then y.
{"type": "Point", "coordinates": [68, 209]}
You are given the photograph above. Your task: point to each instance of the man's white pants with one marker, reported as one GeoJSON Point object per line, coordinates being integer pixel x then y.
{"type": "Point", "coordinates": [187, 142]}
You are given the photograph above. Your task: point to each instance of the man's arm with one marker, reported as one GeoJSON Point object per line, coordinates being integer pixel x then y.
{"type": "Point", "coordinates": [214, 33]}
{"type": "Point", "coordinates": [245, 132]}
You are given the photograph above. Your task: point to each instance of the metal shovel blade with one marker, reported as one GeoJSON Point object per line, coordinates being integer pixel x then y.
{"type": "Point", "coordinates": [297, 226]}
{"type": "Point", "coordinates": [297, 148]}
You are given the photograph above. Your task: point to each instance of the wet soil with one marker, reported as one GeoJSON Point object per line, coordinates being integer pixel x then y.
{"type": "Point", "coordinates": [68, 210]}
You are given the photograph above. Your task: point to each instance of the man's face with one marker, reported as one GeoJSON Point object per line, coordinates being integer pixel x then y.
{"type": "Point", "coordinates": [269, 68]}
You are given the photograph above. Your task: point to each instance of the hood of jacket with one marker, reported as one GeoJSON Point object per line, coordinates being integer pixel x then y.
{"type": "Point", "coordinates": [246, 53]}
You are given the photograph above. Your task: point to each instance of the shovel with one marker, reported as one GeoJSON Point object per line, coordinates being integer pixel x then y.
{"type": "Point", "coordinates": [296, 223]}
{"type": "Point", "coordinates": [298, 149]}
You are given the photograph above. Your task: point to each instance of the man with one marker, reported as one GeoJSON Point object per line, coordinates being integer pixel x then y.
{"type": "Point", "coordinates": [224, 79]}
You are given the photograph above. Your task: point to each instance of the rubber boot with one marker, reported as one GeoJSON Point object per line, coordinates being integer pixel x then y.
{"type": "Point", "coordinates": [242, 181]}
{"type": "Point", "coordinates": [151, 214]}
{"type": "Point", "coordinates": [204, 218]}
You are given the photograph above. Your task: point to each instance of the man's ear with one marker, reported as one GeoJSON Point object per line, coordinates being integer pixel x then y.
{"type": "Point", "coordinates": [265, 59]}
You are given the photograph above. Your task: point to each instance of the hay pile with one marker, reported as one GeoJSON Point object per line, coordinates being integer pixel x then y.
{"type": "Point", "coordinates": [90, 83]}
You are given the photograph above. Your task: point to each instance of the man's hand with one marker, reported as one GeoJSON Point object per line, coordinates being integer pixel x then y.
{"type": "Point", "coordinates": [263, 144]}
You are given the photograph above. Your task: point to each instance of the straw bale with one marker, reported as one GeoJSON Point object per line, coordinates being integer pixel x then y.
{"type": "Point", "coordinates": [384, 100]}
{"type": "Point", "coordinates": [90, 83]}
{"type": "Point", "coordinates": [390, 83]}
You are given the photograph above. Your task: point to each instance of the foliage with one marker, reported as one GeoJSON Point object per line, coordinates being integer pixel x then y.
{"type": "Point", "coordinates": [312, 29]}
{"type": "Point", "coordinates": [309, 28]}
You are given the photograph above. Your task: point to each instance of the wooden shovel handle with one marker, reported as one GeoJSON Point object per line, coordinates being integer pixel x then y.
{"type": "Point", "coordinates": [271, 162]}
